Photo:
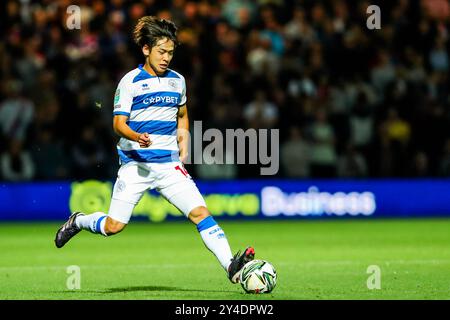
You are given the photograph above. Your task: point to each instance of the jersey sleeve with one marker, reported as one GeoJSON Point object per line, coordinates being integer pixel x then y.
{"type": "Point", "coordinates": [123, 99]}
{"type": "Point", "coordinates": [183, 92]}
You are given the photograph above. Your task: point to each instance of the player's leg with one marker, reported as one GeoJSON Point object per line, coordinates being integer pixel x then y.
{"type": "Point", "coordinates": [107, 224]}
{"type": "Point", "coordinates": [215, 240]}
{"type": "Point", "coordinates": [97, 222]}
{"type": "Point", "coordinates": [131, 183]}
{"type": "Point", "coordinates": [178, 188]}
{"type": "Point", "coordinates": [211, 233]}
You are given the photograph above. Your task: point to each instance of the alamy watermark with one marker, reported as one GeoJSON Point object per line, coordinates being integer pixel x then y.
{"type": "Point", "coordinates": [374, 280]}
{"type": "Point", "coordinates": [236, 146]}
{"type": "Point", "coordinates": [374, 20]}
{"type": "Point", "coordinates": [73, 281]}
{"type": "Point", "coordinates": [73, 20]}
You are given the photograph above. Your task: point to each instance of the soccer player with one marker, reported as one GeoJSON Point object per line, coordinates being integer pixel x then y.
{"type": "Point", "coordinates": [150, 116]}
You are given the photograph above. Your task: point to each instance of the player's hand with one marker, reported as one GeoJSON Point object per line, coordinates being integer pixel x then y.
{"type": "Point", "coordinates": [183, 157]}
{"type": "Point", "coordinates": [144, 140]}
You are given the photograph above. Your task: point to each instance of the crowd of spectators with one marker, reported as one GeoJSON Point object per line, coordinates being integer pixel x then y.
{"type": "Point", "coordinates": [349, 101]}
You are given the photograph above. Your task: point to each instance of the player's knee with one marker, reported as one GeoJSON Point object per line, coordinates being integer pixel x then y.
{"type": "Point", "coordinates": [113, 226]}
{"type": "Point", "coordinates": [198, 214]}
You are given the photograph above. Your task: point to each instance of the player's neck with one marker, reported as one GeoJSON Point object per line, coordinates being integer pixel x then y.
{"type": "Point", "coordinates": [149, 69]}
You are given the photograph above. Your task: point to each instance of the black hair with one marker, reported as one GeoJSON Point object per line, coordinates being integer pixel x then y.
{"type": "Point", "coordinates": [150, 29]}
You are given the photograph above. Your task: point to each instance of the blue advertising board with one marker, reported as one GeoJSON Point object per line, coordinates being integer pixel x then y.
{"type": "Point", "coordinates": [247, 199]}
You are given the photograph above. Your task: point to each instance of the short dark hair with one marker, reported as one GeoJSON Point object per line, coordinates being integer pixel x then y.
{"type": "Point", "coordinates": [150, 29]}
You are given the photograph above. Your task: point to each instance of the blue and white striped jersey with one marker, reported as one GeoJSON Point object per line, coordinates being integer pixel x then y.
{"type": "Point", "coordinates": [151, 104]}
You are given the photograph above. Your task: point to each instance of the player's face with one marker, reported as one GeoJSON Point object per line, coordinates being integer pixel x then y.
{"type": "Point", "coordinates": [161, 55]}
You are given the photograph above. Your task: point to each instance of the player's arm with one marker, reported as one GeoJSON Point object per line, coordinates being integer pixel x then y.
{"type": "Point", "coordinates": [122, 129]}
{"type": "Point", "coordinates": [183, 132]}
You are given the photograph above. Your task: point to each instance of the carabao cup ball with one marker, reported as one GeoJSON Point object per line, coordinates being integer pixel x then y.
{"type": "Point", "coordinates": [258, 276]}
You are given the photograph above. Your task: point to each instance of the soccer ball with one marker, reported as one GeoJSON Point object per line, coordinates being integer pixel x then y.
{"type": "Point", "coordinates": [258, 276]}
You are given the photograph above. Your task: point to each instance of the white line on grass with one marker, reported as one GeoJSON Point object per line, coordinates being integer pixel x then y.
{"type": "Point", "coordinates": [207, 265]}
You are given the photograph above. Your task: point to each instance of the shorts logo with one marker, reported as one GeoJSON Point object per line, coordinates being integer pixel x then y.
{"type": "Point", "coordinates": [173, 84]}
{"type": "Point", "coordinates": [120, 186]}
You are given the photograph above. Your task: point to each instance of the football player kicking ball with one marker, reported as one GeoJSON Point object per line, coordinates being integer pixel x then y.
{"type": "Point", "coordinates": [149, 107]}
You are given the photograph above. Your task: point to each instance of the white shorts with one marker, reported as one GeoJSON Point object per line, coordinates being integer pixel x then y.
{"type": "Point", "coordinates": [170, 179]}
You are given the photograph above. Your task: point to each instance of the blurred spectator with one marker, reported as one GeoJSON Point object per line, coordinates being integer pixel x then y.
{"type": "Point", "coordinates": [260, 113]}
{"type": "Point", "coordinates": [340, 99]}
{"type": "Point", "coordinates": [352, 164]}
{"type": "Point", "coordinates": [416, 72]}
{"type": "Point", "coordinates": [16, 112]}
{"type": "Point", "coordinates": [444, 165]}
{"type": "Point", "coordinates": [89, 155]}
{"type": "Point", "coordinates": [272, 30]}
{"type": "Point", "coordinates": [323, 154]}
{"type": "Point", "coordinates": [30, 61]}
{"type": "Point", "coordinates": [295, 155]}
{"type": "Point", "coordinates": [99, 95]}
{"type": "Point", "coordinates": [16, 163]}
{"type": "Point", "coordinates": [397, 129]}
{"type": "Point", "coordinates": [361, 124]}
{"type": "Point", "coordinates": [238, 12]}
{"type": "Point", "coordinates": [261, 59]}
{"type": "Point", "coordinates": [384, 72]}
{"type": "Point", "coordinates": [420, 167]}
{"type": "Point", "coordinates": [437, 8]}
{"type": "Point", "coordinates": [439, 56]}
{"type": "Point", "coordinates": [305, 85]}
{"type": "Point", "coordinates": [49, 157]}
{"type": "Point", "coordinates": [299, 29]}
{"type": "Point", "coordinates": [221, 118]}
{"type": "Point", "coordinates": [210, 169]}
{"type": "Point", "coordinates": [384, 153]}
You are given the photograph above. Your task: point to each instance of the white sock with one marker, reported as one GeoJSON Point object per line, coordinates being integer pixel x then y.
{"type": "Point", "coordinates": [215, 240]}
{"type": "Point", "coordinates": [94, 222]}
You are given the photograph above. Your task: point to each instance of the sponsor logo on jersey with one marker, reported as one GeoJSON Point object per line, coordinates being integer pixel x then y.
{"type": "Point", "coordinates": [161, 99]}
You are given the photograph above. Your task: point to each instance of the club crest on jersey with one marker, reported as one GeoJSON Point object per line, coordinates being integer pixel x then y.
{"type": "Point", "coordinates": [173, 83]}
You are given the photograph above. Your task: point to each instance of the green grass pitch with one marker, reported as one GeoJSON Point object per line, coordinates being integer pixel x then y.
{"type": "Point", "coordinates": [314, 260]}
